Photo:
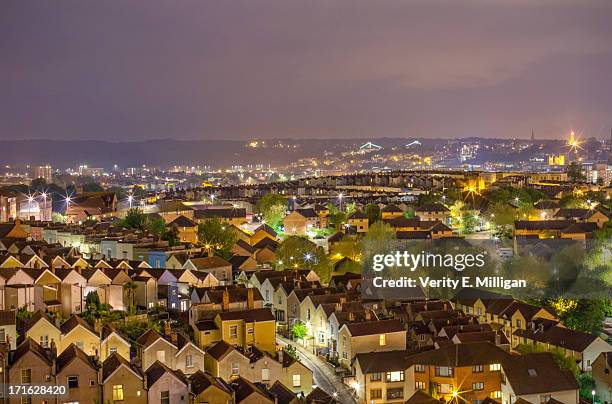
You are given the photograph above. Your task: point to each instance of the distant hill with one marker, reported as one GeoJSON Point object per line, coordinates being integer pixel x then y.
{"type": "Point", "coordinates": [152, 152]}
{"type": "Point", "coordinates": [168, 152]}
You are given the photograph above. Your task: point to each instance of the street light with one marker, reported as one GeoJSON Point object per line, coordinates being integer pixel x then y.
{"type": "Point", "coordinates": [130, 199]}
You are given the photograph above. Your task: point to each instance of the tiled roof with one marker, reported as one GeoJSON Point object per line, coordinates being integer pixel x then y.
{"type": "Point", "coordinates": [73, 352]}
{"type": "Point", "coordinates": [158, 369]}
{"type": "Point", "coordinates": [220, 350]}
{"type": "Point", "coordinates": [537, 373]}
{"type": "Point", "coordinates": [73, 322]}
{"type": "Point", "coordinates": [29, 345]}
{"type": "Point", "coordinates": [113, 362]}
{"type": "Point", "coordinates": [432, 207]}
{"type": "Point", "coordinates": [200, 381]}
{"type": "Point", "coordinates": [560, 336]}
{"type": "Point", "coordinates": [148, 338]}
{"type": "Point", "coordinates": [204, 263]}
{"type": "Point", "coordinates": [182, 221]}
{"type": "Point", "coordinates": [249, 316]}
{"type": "Point", "coordinates": [375, 327]}
{"type": "Point", "coordinates": [282, 393]}
{"type": "Point", "coordinates": [420, 397]}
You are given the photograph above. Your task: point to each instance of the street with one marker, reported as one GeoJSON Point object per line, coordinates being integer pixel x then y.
{"type": "Point", "coordinates": [323, 374]}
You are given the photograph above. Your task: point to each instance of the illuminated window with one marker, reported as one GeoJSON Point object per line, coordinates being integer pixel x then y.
{"type": "Point", "coordinates": [397, 376]}
{"type": "Point", "coordinates": [297, 380]}
{"type": "Point", "coordinates": [265, 374]}
{"type": "Point", "coordinates": [496, 394]}
{"type": "Point", "coordinates": [494, 366]}
{"type": "Point", "coordinates": [161, 356]}
{"type": "Point", "coordinates": [375, 377]}
{"type": "Point", "coordinates": [478, 386]}
{"type": "Point", "coordinates": [444, 371]}
{"type": "Point", "coordinates": [382, 339]}
{"type": "Point", "coordinates": [375, 394]}
{"type": "Point", "coordinates": [477, 369]}
{"type": "Point", "coordinates": [118, 392]}
{"type": "Point", "coordinates": [419, 368]}
{"type": "Point", "coordinates": [189, 361]}
{"type": "Point", "coordinates": [235, 369]}
{"type": "Point", "coordinates": [419, 385]}
{"type": "Point", "coordinates": [234, 331]}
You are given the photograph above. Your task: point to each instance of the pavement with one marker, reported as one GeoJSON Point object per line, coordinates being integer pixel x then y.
{"type": "Point", "coordinates": [323, 373]}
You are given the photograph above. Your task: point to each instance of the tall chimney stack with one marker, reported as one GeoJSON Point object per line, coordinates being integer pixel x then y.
{"type": "Point", "coordinates": [250, 299]}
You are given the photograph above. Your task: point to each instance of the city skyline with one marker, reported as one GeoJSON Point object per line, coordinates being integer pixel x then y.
{"type": "Point", "coordinates": [305, 70]}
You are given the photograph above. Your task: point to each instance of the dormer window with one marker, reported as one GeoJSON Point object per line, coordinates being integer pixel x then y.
{"type": "Point", "coordinates": [382, 339]}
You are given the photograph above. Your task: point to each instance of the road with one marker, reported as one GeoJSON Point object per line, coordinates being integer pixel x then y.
{"type": "Point", "coordinates": [323, 374]}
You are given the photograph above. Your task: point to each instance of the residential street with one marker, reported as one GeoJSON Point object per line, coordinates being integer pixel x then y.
{"type": "Point", "coordinates": [323, 374]}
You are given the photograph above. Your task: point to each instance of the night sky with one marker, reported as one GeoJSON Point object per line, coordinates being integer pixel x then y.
{"type": "Point", "coordinates": [228, 69]}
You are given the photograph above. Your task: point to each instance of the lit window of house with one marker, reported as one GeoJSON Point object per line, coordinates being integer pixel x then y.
{"type": "Point", "coordinates": [118, 392]}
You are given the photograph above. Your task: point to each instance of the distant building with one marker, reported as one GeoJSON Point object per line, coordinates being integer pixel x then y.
{"type": "Point", "coordinates": [8, 206]}
{"type": "Point", "coordinates": [45, 172]}
{"type": "Point", "coordinates": [36, 208]}
{"type": "Point", "coordinates": [556, 160]}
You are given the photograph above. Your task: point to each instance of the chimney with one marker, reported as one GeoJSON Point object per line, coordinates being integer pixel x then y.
{"type": "Point", "coordinates": [280, 355]}
{"type": "Point", "coordinates": [338, 307]}
{"type": "Point", "coordinates": [250, 299]}
{"type": "Point", "coordinates": [167, 329]}
{"type": "Point", "coordinates": [368, 315]}
{"type": "Point", "coordinates": [225, 302]}
{"type": "Point", "coordinates": [351, 316]}
{"type": "Point", "coordinates": [174, 338]}
{"type": "Point", "coordinates": [497, 339]}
